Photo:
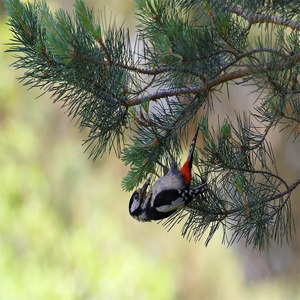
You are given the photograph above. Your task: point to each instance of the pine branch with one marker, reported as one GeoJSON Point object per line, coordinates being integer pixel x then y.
{"type": "Point", "coordinates": [253, 18]}
{"type": "Point", "coordinates": [226, 213]}
{"type": "Point", "coordinates": [208, 86]}
{"type": "Point", "coordinates": [123, 66]}
{"type": "Point", "coordinates": [289, 189]}
{"type": "Point", "coordinates": [140, 102]}
{"type": "Point", "coordinates": [192, 90]}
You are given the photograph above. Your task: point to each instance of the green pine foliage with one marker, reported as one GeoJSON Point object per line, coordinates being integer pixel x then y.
{"type": "Point", "coordinates": [139, 101]}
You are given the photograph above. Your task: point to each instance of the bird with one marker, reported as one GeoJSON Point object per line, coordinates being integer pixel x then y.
{"type": "Point", "coordinates": [168, 193]}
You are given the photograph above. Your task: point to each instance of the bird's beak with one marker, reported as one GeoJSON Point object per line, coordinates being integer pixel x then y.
{"type": "Point", "coordinates": [143, 189]}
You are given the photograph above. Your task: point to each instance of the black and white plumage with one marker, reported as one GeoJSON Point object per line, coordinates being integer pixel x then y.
{"type": "Point", "coordinates": [168, 193]}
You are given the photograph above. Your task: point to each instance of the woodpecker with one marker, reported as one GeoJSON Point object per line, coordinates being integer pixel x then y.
{"type": "Point", "coordinates": [168, 193]}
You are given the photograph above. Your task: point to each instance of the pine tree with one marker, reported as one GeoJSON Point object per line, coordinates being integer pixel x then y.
{"type": "Point", "coordinates": [140, 101]}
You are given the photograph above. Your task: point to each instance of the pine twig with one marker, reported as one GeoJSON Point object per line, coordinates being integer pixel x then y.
{"type": "Point", "coordinates": [264, 18]}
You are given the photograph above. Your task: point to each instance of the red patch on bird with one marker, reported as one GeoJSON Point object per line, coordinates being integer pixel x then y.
{"type": "Point", "coordinates": [186, 172]}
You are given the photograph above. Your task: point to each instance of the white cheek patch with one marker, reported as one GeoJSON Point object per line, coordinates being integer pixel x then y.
{"type": "Point", "coordinates": [176, 204]}
{"type": "Point", "coordinates": [135, 205]}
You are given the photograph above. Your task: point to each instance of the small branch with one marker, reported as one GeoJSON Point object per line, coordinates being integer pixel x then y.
{"type": "Point", "coordinates": [264, 18]}
{"type": "Point", "coordinates": [144, 88]}
{"type": "Point", "coordinates": [290, 118]}
{"type": "Point", "coordinates": [229, 212]}
{"type": "Point", "coordinates": [289, 189]}
{"type": "Point", "coordinates": [251, 171]}
{"type": "Point", "coordinates": [228, 51]}
{"type": "Point", "coordinates": [126, 67]}
{"type": "Point", "coordinates": [249, 54]}
{"type": "Point", "coordinates": [147, 122]}
{"type": "Point", "coordinates": [192, 90]}
{"type": "Point", "coordinates": [265, 134]}
{"type": "Point", "coordinates": [155, 71]}
{"type": "Point", "coordinates": [107, 54]}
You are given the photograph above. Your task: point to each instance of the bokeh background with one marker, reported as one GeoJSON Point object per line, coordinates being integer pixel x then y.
{"type": "Point", "coordinates": [65, 231]}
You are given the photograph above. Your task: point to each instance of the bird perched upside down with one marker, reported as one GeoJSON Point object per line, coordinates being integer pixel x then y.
{"type": "Point", "coordinates": [168, 193]}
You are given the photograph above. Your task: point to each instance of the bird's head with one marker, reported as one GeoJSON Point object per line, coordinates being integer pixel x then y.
{"type": "Point", "coordinates": [137, 199]}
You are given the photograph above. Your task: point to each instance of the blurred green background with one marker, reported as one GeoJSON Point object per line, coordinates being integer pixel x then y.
{"type": "Point", "coordinates": [65, 231]}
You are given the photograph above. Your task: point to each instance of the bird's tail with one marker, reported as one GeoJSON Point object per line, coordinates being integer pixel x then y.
{"type": "Point", "coordinates": [192, 148]}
